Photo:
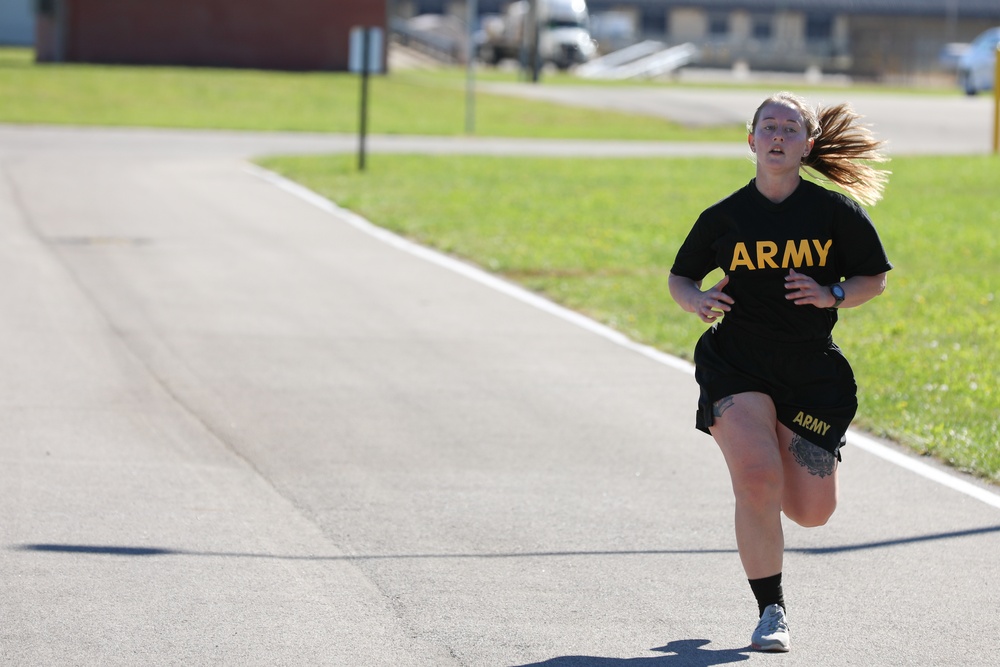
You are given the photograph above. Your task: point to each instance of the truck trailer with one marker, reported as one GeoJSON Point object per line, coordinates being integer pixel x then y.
{"type": "Point", "coordinates": [560, 28]}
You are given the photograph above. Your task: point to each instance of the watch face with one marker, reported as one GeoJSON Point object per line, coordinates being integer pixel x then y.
{"type": "Point", "coordinates": [838, 291]}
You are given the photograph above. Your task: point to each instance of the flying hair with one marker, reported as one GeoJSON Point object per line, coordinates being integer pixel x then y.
{"type": "Point", "coordinates": [842, 147]}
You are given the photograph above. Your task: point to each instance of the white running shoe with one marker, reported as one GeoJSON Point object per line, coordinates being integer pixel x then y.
{"type": "Point", "coordinates": [772, 631]}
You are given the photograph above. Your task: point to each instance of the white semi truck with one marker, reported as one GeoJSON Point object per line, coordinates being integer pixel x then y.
{"type": "Point", "coordinates": [562, 36]}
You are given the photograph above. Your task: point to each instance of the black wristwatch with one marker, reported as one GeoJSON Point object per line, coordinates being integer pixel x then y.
{"type": "Point", "coordinates": [838, 293]}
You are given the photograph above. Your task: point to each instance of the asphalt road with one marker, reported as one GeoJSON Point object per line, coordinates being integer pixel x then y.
{"type": "Point", "coordinates": [241, 427]}
{"type": "Point", "coordinates": [911, 124]}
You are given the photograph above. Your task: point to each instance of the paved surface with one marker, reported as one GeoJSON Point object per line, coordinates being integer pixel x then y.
{"type": "Point", "coordinates": [239, 429]}
{"type": "Point", "coordinates": [912, 124]}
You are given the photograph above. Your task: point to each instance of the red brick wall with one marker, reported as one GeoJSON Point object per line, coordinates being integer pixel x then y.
{"type": "Point", "coordinates": [267, 34]}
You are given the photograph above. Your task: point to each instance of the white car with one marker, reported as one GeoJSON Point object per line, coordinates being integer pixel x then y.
{"type": "Point", "coordinates": [975, 67]}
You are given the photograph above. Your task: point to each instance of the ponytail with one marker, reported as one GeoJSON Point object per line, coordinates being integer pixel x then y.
{"type": "Point", "coordinates": [842, 147]}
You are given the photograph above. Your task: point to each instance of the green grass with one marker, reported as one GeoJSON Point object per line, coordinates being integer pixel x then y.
{"type": "Point", "coordinates": [409, 102]}
{"type": "Point", "coordinates": [599, 236]}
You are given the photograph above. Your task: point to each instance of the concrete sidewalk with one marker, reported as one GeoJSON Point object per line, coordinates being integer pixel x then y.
{"type": "Point", "coordinates": [239, 428]}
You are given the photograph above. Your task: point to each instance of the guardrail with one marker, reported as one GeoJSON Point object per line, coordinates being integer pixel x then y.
{"type": "Point", "coordinates": [441, 48]}
{"type": "Point", "coordinates": [597, 67]}
{"type": "Point", "coordinates": [643, 60]}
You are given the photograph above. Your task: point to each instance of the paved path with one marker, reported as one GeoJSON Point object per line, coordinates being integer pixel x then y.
{"type": "Point", "coordinates": [912, 124]}
{"type": "Point", "coordinates": [131, 141]}
{"type": "Point", "coordinates": [237, 428]}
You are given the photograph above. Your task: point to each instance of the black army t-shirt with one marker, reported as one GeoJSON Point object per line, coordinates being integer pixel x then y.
{"type": "Point", "coordinates": [815, 231]}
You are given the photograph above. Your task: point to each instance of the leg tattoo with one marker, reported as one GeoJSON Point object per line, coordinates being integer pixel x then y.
{"type": "Point", "coordinates": [722, 405]}
{"type": "Point", "coordinates": [812, 457]}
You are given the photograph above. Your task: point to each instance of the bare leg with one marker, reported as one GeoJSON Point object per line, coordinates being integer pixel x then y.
{"type": "Point", "coordinates": [809, 496]}
{"type": "Point", "coordinates": [746, 430]}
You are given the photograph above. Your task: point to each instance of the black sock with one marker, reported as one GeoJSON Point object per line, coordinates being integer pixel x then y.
{"type": "Point", "coordinates": [768, 591]}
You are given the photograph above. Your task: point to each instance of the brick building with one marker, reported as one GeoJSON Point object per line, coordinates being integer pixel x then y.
{"type": "Point", "coordinates": [263, 34]}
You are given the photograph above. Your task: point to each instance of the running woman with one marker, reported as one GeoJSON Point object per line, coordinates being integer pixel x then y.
{"type": "Point", "coordinates": [776, 393]}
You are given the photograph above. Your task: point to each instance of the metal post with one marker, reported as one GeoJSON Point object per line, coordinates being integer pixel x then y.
{"type": "Point", "coordinates": [996, 102]}
{"type": "Point", "coordinates": [536, 64]}
{"type": "Point", "coordinates": [524, 53]}
{"type": "Point", "coordinates": [472, 11]}
{"type": "Point", "coordinates": [366, 36]}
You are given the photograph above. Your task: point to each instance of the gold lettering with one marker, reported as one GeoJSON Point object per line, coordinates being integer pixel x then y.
{"type": "Point", "coordinates": [812, 423]}
{"type": "Point", "coordinates": [797, 256]}
{"type": "Point", "coordinates": [741, 257]}
{"type": "Point", "coordinates": [822, 250]}
{"type": "Point", "coordinates": [766, 250]}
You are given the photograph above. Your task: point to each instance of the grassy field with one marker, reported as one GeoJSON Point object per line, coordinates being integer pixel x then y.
{"type": "Point", "coordinates": [410, 102]}
{"type": "Point", "coordinates": [600, 235]}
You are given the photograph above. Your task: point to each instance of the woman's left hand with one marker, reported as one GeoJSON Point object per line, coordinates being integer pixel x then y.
{"type": "Point", "coordinates": [805, 291]}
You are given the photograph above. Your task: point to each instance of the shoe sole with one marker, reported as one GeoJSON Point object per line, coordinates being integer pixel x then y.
{"type": "Point", "coordinates": [770, 648]}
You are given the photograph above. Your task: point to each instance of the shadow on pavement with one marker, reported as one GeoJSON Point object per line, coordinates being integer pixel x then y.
{"type": "Point", "coordinates": [686, 652]}
{"type": "Point", "coordinates": [111, 550]}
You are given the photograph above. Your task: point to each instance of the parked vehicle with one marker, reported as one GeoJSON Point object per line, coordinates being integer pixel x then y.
{"type": "Point", "coordinates": [564, 37]}
{"type": "Point", "coordinates": [976, 66]}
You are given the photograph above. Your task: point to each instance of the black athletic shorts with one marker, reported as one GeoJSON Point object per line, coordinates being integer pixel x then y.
{"type": "Point", "coordinates": [812, 383]}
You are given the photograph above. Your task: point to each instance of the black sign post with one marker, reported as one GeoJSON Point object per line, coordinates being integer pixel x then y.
{"type": "Point", "coordinates": [365, 57]}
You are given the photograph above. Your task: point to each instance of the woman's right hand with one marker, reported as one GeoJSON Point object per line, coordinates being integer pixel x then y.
{"type": "Point", "coordinates": [713, 303]}
{"type": "Point", "coordinates": [709, 305]}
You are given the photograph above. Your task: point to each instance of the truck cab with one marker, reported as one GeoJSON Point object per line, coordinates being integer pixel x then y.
{"type": "Point", "coordinates": [563, 33]}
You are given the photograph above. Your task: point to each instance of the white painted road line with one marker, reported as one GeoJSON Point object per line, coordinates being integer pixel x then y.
{"type": "Point", "coordinates": [859, 440]}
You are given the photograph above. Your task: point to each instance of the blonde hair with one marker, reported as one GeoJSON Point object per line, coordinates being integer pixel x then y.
{"type": "Point", "coordinates": [841, 146]}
